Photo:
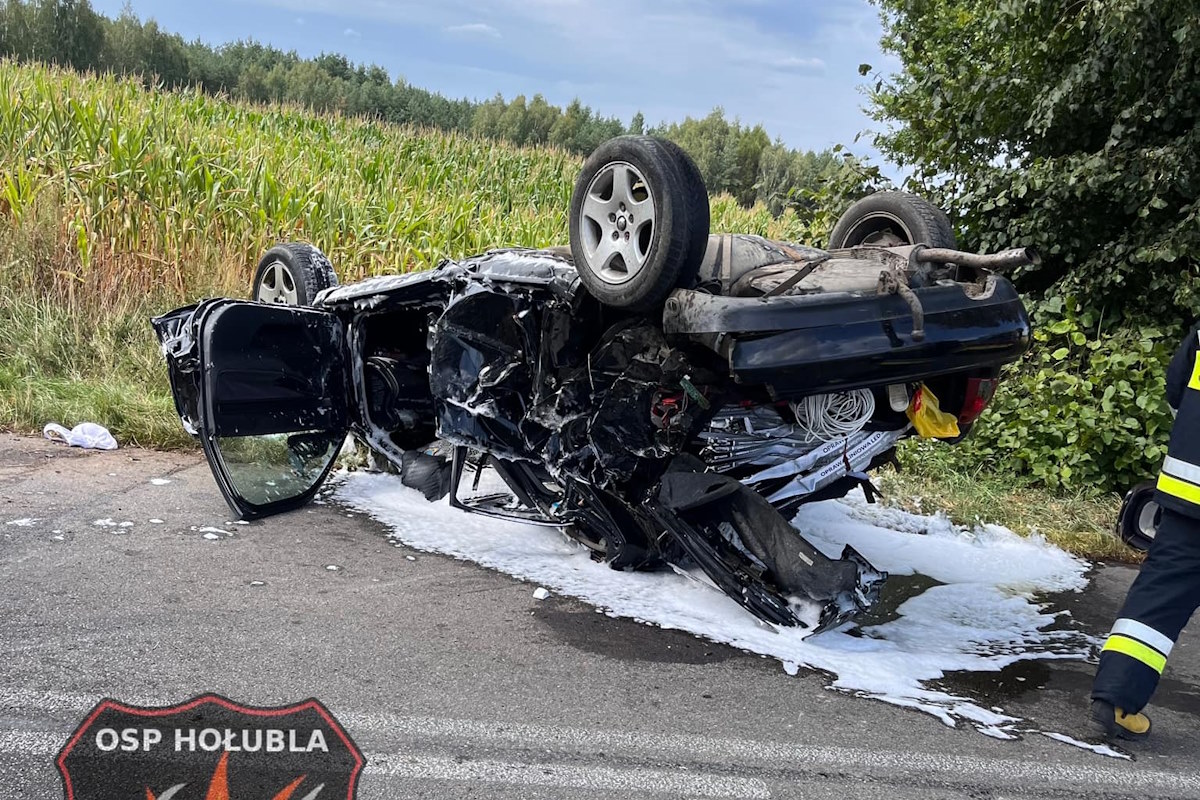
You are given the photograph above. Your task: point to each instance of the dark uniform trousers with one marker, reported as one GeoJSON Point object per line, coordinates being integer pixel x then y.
{"type": "Point", "coordinates": [1167, 590]}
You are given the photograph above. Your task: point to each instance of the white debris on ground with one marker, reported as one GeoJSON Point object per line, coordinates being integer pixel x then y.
{"type": "Point", "coordinates": [156, 521]}
{"type": "Point", "coordinates": [108, 522]}
{"type": "Point", "coordinates": [212, 537]}
{"type": "Point", "coordinates": [540, 593]}
{"type": "Point", "coordinates": [214, 531]}
{"type": "Point", "coordinates": [24, 522]}
{"type": "Point", "coordinates": [980, 615]}
{"type": "Point", "coordinates": [159, 481]}
{"type": "Point", "coordinates": [332, 567]}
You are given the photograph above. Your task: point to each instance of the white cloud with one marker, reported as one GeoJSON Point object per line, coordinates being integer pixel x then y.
{"type": "Point", "coordinates": [808, 66]}
{"type": "Point", "coordinates": [299, 20]}
{"type": "Point", "coordinates": [351, 33]}
{"type": "Point", "coordinates": [474, 29]}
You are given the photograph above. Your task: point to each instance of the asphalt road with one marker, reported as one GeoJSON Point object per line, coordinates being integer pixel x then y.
{"type": "Point", "coordinates": [456, 682]}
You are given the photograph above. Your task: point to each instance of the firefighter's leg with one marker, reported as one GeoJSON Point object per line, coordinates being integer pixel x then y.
{"type": "Point", "coordinates": [1162, 598]}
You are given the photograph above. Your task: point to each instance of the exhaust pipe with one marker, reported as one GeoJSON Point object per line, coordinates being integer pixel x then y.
{"type": "Point", "coordinates": [1016, 257]}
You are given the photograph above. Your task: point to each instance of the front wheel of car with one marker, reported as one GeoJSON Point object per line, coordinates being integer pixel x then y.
{"type": "Point", "coordinates": [639, 221]}
{"type": "Point", "coordinates": [1137, 524]}
{"type": "Point", "coordinates": [292, 274]}
{"type": "Point", "coordinates": [892, 219]}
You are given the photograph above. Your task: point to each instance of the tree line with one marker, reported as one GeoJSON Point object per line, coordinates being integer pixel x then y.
{"type": "Point", "coordinates": [741, 160]}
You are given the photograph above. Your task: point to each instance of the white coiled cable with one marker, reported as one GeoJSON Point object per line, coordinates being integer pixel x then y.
{"type": "Point", "coordinates": [828, 417]}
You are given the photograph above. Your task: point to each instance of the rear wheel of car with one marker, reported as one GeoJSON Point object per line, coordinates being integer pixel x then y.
{"type": "Point", "coordinates": [639, 221]}
{"type": "Point", "coordinates": [292, 274]}
{"type": "Point", "coordinates": [1137, 524]}
{"type": "Point", "coordinates": [891, 219]}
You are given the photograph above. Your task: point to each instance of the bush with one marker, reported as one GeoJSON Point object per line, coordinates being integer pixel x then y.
{"type": "Point", "coordinates": [1083, 409]}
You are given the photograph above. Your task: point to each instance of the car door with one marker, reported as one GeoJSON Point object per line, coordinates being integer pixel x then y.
{"type": "Point", "coordinates": [267, 390]}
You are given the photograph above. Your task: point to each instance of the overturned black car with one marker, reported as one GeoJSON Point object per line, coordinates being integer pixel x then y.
{"type": "Point", "coordinates": [662, 395]}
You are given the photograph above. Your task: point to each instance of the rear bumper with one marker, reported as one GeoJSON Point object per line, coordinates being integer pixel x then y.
{"type": "Point", "coordinates": [809, 344]}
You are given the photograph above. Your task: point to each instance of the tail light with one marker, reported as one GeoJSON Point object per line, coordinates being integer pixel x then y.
{"type": "Point", "coordinates": [979, 393]}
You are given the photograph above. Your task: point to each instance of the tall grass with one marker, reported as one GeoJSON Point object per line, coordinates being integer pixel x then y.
{"type": "Point", "coordinates": [117, 203]}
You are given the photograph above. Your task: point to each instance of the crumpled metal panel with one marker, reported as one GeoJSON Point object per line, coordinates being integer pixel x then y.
{"type": "Point", "coordinates": [511, 374]}
{"type": "Point", "coordinates": [516, 267]}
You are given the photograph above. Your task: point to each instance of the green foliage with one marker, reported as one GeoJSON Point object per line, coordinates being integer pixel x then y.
{"type": "Point", "coordinates": [744, 162]}
{"type": "Point", "coordinates": [1070, 126]}
{"type": "Point", "coordinates": [1073, 127]}
{"type": "Point", "coordinates": [1083, 409]}
{"type": "Point", "coordinates": [66, 32]}
{"type": "Point", "coordinates": [840, 182]}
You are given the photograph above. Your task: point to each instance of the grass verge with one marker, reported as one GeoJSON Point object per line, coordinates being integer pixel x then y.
{"type": "Point", "coordinates": [1081, 523]}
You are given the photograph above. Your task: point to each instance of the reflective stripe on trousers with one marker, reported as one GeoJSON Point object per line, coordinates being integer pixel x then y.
{"type": "Point", "coordinates": [1139, 641]}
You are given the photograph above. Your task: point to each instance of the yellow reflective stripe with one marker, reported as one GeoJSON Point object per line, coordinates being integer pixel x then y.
{"type": "Point", "coordinates": [1177, 488]}
{"type": "Point", "coordinates": [1144, 634]}
{"type": "Point", "coordinates": [1136, 650]}
{"type": "Point", "coordinates": [1194, 383]}
{"type": "Point", "coordinates": [1178, 468]}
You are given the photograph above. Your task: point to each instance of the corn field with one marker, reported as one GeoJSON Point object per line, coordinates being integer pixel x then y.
{"type": "Point", "coordinates": [117, 203]}
{"type": "Point", "coordinates": [174, 194]}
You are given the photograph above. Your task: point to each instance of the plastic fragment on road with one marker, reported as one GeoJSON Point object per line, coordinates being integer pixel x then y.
{"type": "Point", "coordinates": [87, 435]}
{"type": "Point", "coordinates": [540, 593]}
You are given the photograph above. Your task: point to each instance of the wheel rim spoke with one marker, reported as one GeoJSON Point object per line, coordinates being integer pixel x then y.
{"type": "Point", "coordinates": [595, 209]}
{"type": "Point", "coordinates": [622, 191]}
{"type": "Point", "coordinates": [609, 262]}
{"type": "Point", "coordinates": [278, 286]}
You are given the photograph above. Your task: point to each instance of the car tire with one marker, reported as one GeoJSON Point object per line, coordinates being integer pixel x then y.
{"type": "Point", "coordinates": [1137, 524]}
{"type": "Point", "coordinates": [292, 274]}
{"type": "Point", "coordinates": [638, 223]}
{"type": "Point", "coordinates": [890, 219]}
{"type": "Point", "coordinates": [698, 211]}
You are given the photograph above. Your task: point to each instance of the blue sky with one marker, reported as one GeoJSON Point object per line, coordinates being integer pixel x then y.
{"type": "Point", "coordinates": [790, 64]}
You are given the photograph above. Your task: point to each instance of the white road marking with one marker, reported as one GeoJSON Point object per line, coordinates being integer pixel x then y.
{"type": "Point", "coordinates": [636, 781]}
{"type": "Point", "coordinates": [685, 748]}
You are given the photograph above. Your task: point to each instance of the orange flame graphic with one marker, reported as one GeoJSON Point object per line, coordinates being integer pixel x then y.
{"type": "Point", "coordinates": [218, 787]}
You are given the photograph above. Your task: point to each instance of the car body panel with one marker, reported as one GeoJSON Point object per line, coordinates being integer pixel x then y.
{"type": "Point", "coordinates": [812, 344]}
{"type": "Point", "coordinates": [261, 383]}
